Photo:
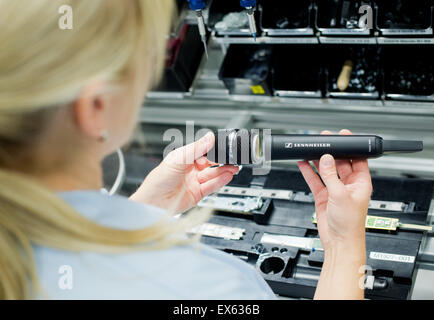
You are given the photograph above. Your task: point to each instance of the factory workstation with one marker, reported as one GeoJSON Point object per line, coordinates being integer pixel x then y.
{"type": "Point", "coordinates": [215, 150]}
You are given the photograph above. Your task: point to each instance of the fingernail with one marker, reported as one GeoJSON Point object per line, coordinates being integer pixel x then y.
{"type": "Point", "coordinates": [234, 170]}
{"type": "Point", "coordinates": [208, 137]}
{"type": "Point", "coordinates": [231, 168]}
{"type": "Point", "coordinates": [327, 160]}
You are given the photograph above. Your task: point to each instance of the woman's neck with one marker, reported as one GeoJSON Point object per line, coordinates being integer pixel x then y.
{"type": "Point", "coordinates": [82, 179]}
{"type": "Point", "coordinates": [82, 173]}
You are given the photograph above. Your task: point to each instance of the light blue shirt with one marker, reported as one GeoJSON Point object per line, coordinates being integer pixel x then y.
{"type": "Point", "coordinates": [182, 272]}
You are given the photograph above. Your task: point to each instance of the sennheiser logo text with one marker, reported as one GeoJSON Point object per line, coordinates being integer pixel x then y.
{"type": "Point", "coordinates": [291, 145]}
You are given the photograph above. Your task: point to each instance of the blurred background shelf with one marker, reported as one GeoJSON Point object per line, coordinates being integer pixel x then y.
{"type": "Point", "coordinates": [209, 104]}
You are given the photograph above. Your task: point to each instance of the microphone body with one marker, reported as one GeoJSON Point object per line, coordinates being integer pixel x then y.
{"type": "Point", "coordinates": [239, 146]}
{"type": "Point", "coordinates": [312, 147]}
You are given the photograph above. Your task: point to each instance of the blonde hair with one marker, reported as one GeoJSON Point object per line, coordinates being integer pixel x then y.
{"type": "Point", "coordinates": [42, 68]}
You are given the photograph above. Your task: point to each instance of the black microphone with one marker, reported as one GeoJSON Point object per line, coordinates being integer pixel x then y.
{"type": "Point", "coordinates": [240, 146]}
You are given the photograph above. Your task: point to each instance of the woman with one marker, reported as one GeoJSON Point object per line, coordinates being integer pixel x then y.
{"type": "Point", "coordinates": [68, 98]}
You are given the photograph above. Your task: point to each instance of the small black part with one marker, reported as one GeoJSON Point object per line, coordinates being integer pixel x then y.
{"type": "Point", "coordinates": [402, 146]}
{"type": "Point", "coordinates": [262, 215]}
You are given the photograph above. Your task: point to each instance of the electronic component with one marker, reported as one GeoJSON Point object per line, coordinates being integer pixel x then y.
{"type": "Point", "coordinates": [385, 223]}
{"type": "Point", "coordinates": [300, 196]}
{"type": "Point", "coordinates": [218, 231]}
{"type": "Point", "coordinates": [257, 207]}
{"type": "Point", "coordinates": [232, 204]}
{"type": "Point", "coordinates": [233, 233]}
{"type": "Point", "coordinates": [305, 243]}
{"type": "Point", "coordinates": [239, 146]}
{"type": "Point", "coordinates": [388, 205]}
{"type": "Point", "coordinates": [256, 192]}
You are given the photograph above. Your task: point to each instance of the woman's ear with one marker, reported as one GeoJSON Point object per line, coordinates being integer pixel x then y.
{"type": "Point", "coordinates": [90, 111]}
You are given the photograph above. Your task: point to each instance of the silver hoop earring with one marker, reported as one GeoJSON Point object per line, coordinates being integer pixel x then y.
{"type": "Point", "coordinates": [104, 136]}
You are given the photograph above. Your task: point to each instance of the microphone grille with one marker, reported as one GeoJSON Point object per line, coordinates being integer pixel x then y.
{"type": "Point", "coordinates": [232, 146]}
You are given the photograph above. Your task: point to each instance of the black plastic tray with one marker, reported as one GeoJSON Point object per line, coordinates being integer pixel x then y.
{"type": "Point", "coordinates": [294, 272]}
{"type": "Point", "coordinates": [297, 71]}
{"type": "Point", "coordinates": [340, 18]}
{"type": "Point", "coordinates": [287, 18]}
{"type": "Point", "coordinates": [366, 76]}
{"type": "Point", "coordinates": [405, 17]}
{"type": "Point", "coordinates": [246, 70]}
{"type": "Point", "coordinates": [409, 72]}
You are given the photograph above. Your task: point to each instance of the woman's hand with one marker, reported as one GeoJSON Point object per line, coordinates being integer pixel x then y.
{"type": "Point", "coordinates": [184, 176]}
{"type": "Point", "coordinates": [342, 202]}
{"type": "Point", "coordinates": [341, 205]}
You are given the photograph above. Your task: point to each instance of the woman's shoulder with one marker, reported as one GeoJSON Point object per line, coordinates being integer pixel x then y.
{"type": "Point", "coordinates": [181, 272]}
{"type": "Point", "coordinates": [112, 211]}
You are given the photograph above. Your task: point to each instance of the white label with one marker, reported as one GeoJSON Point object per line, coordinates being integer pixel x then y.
{"type": "Point", "coordinates": [391, 257]}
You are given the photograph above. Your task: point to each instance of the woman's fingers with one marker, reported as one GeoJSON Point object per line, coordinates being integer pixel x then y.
{"type": "Point", "coordinates": [360, 166]}
{"type": "Point", "coordinates": [311, 178]}
{"type": "Point", "coordinates": [344, 167]}
{"type": "Point", "coordinates": [188, 154]}
{"type": "Point", "coordinates": [211, 173]}
{"type": "Point", "coordinates": [316, 162]}
{"type": "Point", "coordinates": [363, 175]}
{"type": "Point", "coordinates": [327, 169]}
{"type": "Point", "coordinates": [203, 163]}
{"type": "Point", "coordinates": [326, 132]}
{"type": "Point", "coordinates": [201, 147]}
{"type": "Point", "coordinates": [215, 184]}
{"type": "Point", "coordinates": [316, 165]}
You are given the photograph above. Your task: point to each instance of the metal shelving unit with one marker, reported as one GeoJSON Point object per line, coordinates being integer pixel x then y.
{"type": "Point", "coordinates": [323, 39]}
{"type": "Point", "coordinates": [209, 104]}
